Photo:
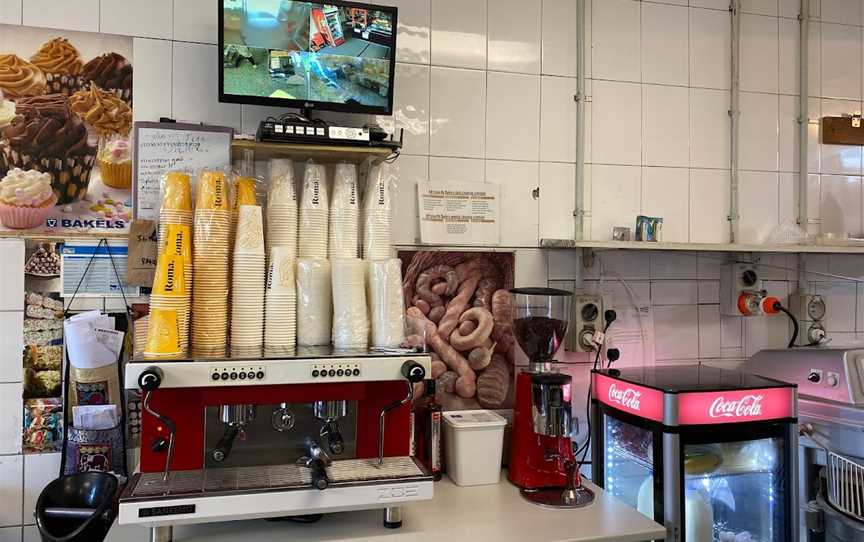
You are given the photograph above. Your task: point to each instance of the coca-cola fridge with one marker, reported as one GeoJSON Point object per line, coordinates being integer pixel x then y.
{"type": "Point", "coordinates": [711, 453]}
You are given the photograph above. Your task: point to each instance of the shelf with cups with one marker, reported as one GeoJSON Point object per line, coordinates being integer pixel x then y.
{"type": "Point", "coordinates": [265, 151]}
{"type": "Point", "coordinates": [702, 247]}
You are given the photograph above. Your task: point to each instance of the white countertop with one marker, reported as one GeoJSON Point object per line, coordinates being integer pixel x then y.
{"type": "Point", "coordinates": [494, 512]}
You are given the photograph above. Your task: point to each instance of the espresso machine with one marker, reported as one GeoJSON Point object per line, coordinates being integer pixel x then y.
{"type": "Point", "coordinates": [229, 439]}
{"type": "Point", "coordinates": [542, 462]}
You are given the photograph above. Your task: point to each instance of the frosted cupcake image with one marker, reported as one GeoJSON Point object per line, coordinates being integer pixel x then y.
{"type": "Point", "coordinates": [20, 78]}
{"type": "Point", "coordinates": [45, 135]}
{"type": "Point", "coordinates": [61, 64]}
{"type": "Point", "coordinates": [115, 163]}
{"type": "Point", "coordinates": [111, 72]}
{"type": "Point", "coordinates": [26, 198]}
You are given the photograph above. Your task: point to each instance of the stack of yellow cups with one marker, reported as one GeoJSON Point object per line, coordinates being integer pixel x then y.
{"type": "Point", "coordinates": [178, 242]}
{"type": "Point", "coordinates": [168, 307]}
{"type": "Point", "coordinates": [176, 204]}
{"type": "Point", "coordinates": [210, 257]}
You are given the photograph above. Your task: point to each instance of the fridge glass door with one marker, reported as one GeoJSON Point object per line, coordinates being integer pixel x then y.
{"type": "Point", "coordinates": [735, 491]}
{"type": "Point", "coordinates": [629, 467]}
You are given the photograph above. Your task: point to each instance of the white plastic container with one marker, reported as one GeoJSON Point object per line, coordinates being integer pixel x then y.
{"type": "Point", "coordinates": [473, 442]}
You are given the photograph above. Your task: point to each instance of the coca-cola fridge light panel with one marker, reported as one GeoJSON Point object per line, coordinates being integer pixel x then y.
{"type": "Point", "coordinates": [709, 452]}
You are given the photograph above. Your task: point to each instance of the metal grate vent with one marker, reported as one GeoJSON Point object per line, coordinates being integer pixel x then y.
{"type": "Point", "coordinates": [271, 477]}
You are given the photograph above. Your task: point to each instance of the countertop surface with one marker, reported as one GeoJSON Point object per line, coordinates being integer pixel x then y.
{"type": "Point", "coordinates": [493, 512]}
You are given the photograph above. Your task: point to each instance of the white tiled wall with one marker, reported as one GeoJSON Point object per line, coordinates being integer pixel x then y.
{"type": "Point", "coordinates": [644, 57]}
{"type": "Point", "coordinates": [485, 91]}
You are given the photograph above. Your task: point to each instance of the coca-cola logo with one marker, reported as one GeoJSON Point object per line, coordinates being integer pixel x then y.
{"type": "Point", "coordinates": [745, 407]}
{"type": "Point", "coordinates": [627, 397]}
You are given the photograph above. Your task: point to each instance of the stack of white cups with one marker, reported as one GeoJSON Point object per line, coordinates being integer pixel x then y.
{"type": "Point", "coordinates": [280, 317]}
{"type": "Point", "coordinates": [344, 213]}
{"type": "Point", "coordinates": [386, 302]}
{"type": "Point", "coordinates": [314, 304]}
{"type": "Point", "coordinates": [377, 214]}
{"type": "Point", "coordinates": [314, 210]}
{"type": "Point", "coordinates": [247, 283]}
{"type": "Point", "coordinates": [350, 316]}
{"type": "Point", "coordinates": [282, 207]}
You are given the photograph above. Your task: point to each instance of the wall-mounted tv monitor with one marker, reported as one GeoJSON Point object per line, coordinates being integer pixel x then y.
{"type": "Point", "coordinates": [336, 55]}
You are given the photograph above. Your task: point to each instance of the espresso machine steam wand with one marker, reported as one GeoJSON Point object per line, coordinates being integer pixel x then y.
{"type": "Point", "coordinates": [413, 373]}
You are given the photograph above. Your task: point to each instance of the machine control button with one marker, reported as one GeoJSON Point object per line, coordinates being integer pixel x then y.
{"type": "Point", "coordinates": [214, 376]}
{"type": "Point", "coordinates": [259, 375]}
{"type": "Point", "coordinates": [251, 375]}
{"type": "Point", "coordinates": [314, 373]}
{"type": "Point", "coordinates": [242, 376]}
{"type": "Point", "coordinates": [340, 372]}
{"type": "Point", "coordinates": [814, 377]}
{"type": "Point", "coordinates": [233, 376]}
{"type": "Point", "coordinates": [225, 376]}
{"type": "Point", "coordinates": [356, 372]}
{"type": "Point", "coordinates": [832, 380]}
{"type": "Point", "coordinates": [331, 372]}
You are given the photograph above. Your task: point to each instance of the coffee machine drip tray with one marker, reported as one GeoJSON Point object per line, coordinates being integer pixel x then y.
{"type": "Point", "coordinates": [216, 481]}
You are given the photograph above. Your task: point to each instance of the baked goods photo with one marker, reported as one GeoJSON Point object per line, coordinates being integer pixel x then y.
{"type": "Point", "coordinates": [110, 72]}
{"type": "Point", "coordinates": [46, 136]}
{"type": "Point", "coordinates": [44, 262]}
{"type": "Point", "coordinates": [102, 111]}
{"type": "Point", "coordinates": [115, 163]}
{"type": "Point", "coordinates": [19, 78]}
{"type": "Point", "coordinates": [26, 198]}
{"type": "Point", "coordinates": [7, 111]}
{"type": "Point", "coordinates": [61, 63]}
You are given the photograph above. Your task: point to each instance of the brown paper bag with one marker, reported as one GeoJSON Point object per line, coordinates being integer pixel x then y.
{"type": "Point", "coordinates": [141, 265]}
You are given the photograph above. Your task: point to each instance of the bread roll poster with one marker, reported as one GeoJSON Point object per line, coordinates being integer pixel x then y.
{"type": "Point", "coordinates": [65, 120]}
{"type": "Point", "coordinates": [458, 305]}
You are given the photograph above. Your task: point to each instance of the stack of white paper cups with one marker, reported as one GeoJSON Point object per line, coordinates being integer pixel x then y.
{"type": "Point", "coordinates": [282, 207]}
{"type": "Point", "coordinates": [280, 317]}
{"type": "Point", "coordinates": [314, 209]}
{"type": "Point", "coordinates": [344, 213]}
{"type": "Point", "coordinates": [247, 292]}
{"type": "Point", "coordinates": [314, 302]}
{"type": "Point", "coordinates": [377, 214]}
{"type": "Point", "coordinates": [350, 317]}
{"type": "Point", "coordinates": [386, 302]}
{"type": "Point", "coordinates": [211, 255]}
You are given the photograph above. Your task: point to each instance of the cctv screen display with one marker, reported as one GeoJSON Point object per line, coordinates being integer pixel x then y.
{"type": "Point", "coordinates": [336, 56]}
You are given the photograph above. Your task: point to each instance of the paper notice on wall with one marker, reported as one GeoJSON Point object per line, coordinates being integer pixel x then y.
{"type": "Point", "coordinates": [164, 147]}
{"type": "Point", "coordinates": [459, 213]}
{"type": "Point", "coordinates": [100, 278]}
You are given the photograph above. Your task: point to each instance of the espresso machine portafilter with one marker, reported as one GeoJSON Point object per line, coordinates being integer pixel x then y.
{"type": "Point", "coordinates": [235, 418]}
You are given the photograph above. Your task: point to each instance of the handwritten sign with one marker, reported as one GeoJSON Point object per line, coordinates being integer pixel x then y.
{"type": "Point", "coordinates": [459, 213]}
{"type": "Point", "coordinates": [142, 253]}
{"type": "Point", "coordinates": [161, 147]}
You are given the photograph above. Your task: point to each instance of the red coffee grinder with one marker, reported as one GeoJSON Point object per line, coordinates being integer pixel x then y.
{"type": "Point", "coordinates": [542, 461]}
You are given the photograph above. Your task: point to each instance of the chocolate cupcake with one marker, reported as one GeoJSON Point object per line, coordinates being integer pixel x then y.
{"type": "Point", "coordinates": [19, 78]}
{"type": "Point", "coordinates": [46, 136]}
{"type": "Point", "coordinates": [111, 72]}
{"type": "Point", "coordinates": [61, 64]}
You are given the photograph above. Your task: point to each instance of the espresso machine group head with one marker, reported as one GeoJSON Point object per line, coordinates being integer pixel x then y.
{"type": "Point", "coordinates": [294, 436]}
{"type": "Point", "coordinates": [542, 462]}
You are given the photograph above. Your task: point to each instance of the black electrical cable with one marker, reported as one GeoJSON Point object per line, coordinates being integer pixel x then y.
{"type": "Point", "coordinates": [778, 307]}
{"type": "Point", "coordinates": [609, 316]}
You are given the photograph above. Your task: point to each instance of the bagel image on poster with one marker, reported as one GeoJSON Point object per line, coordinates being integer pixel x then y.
{"type": "Point", "coordinates": [65, 121]}
{"type": "Point", "coordinates": [457, 305]}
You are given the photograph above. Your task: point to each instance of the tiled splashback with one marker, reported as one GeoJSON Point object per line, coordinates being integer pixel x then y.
{"type": "Point", "coordinates": [485, 91]}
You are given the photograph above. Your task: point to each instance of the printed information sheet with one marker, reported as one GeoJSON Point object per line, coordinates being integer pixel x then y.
{"type": "Point", "coordinates": [459, 213]}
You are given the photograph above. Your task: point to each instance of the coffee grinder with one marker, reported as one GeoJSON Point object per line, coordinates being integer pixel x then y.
{"type": "Point", "coordinates": [542, 462]}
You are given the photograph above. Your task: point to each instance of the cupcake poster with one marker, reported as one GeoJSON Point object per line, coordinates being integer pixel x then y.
{"type": "Point", "coordinates": [65, 121]}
